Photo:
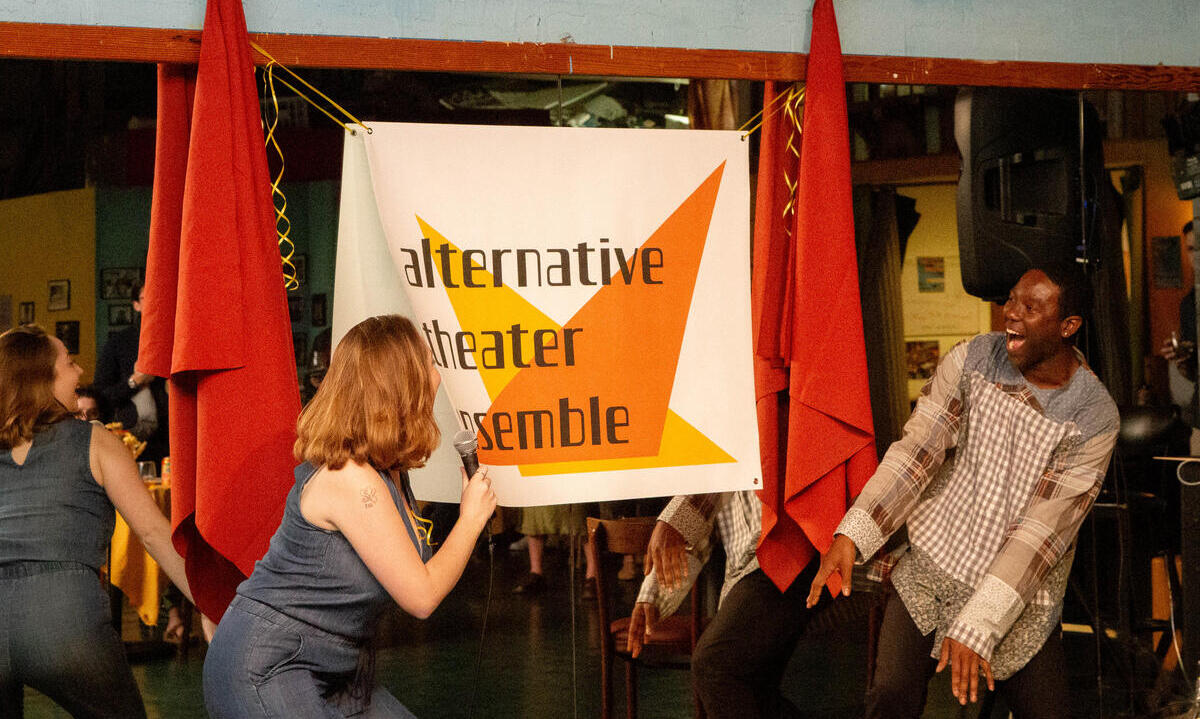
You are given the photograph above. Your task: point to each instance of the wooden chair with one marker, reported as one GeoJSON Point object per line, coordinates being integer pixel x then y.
{"type": "Point", "coordinates": [674, 637]}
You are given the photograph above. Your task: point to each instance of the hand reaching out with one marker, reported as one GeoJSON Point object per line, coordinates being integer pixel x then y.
{"type": "Point", "coordinates": [965, 667]}
{"type": "Point", "coordinates": [840, 559]}
{"type": "Point", "coordinates": [641, 627]}
{"type": "Point", "coordinates": [667, 554]}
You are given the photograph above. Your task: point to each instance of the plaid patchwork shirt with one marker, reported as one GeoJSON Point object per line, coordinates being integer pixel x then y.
{"type": "Point", "coordinates": [993, 478]}
{"type": "Point", "coordinates": [735, 518]}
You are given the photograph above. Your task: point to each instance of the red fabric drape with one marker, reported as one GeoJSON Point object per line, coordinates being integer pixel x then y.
{"type": "Point", "coordinates": [814, 409]}
{"type": "Point", "coordinates": [216, 321]}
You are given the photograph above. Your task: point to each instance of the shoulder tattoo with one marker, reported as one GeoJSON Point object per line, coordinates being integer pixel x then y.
{"type": "Point", "coordinates": [369, 497]}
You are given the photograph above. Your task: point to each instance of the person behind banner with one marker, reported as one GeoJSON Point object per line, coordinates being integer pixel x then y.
{"type": "Point", "coordinates": [60, 479]}
{"type": "Point", "coordinates": [135, 399]}
{"type": "Point", "coordinates": [296, 639]}
{"type": "Point", "coordinates": [999, 465]}
{"type": "Point", "coordinates": [1180, 347]}
{"type": "Point", "coordinates": [87, 404]}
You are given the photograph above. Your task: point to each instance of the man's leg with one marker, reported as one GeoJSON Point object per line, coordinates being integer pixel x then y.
{"type": "Point", "coordinates": [902, 666]}
{"type": "Point", "coordinates": [1039, 689]}
{"type": "Point", "coordinates": [741, 657]}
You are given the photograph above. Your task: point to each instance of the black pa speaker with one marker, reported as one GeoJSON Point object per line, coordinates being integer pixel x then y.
{"type": "Point", "coordinates": [1019, 188]}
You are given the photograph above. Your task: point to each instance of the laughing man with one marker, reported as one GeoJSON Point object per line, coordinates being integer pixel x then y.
{"type": "Point", "coordinates": [998, 466]}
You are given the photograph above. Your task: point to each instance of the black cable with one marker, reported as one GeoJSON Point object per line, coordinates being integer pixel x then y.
{"type": "Point", "coordinates": [573, 574]}
{"type": "Point", "coordinates": [487, 606]}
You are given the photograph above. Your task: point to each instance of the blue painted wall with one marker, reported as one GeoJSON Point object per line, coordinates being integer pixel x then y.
{"type": "Point", "coordinates": [1146, 32]}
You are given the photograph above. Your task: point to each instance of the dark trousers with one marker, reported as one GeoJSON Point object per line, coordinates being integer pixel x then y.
{"type": "Point", "coordinates": [740, 659]}
{"type": "Point", "coordinates": [55, 636]}
{"type": "Point", "coordinates": [903, 668]}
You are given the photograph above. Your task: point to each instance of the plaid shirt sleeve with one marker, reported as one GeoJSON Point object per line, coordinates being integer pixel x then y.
{"type": "Point", "coordinates": [910, 463]}
{"type": "Point", "coordinates": [1035, 542]}
{"type": "Point", "coordinates": [693, 516]}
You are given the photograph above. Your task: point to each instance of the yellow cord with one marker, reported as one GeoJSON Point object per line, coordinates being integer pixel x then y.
{"type": "Point", "coordinates": [304, 97]}
{"type": "Point", "coordinates": [324, 97]}
{"type": "Point", "coordinates": [793, 109]}
{"type": "Point", "coordinates": [424, 533]}
{"type": "Point", "coordinates": [770, 110]}
{"type": "Point", "coordinates": [283, 226]}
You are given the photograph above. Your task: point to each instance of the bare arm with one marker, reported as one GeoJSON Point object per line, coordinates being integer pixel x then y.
{"type": "Point", "coordinates": [115, 471]}
{"type": "Point", "coordinates": [355, 501]}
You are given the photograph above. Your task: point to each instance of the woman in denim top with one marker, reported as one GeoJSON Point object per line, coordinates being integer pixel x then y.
{"type": "Point", "coordinates": [60, 479]}
{"type": "Point", "coordinates": [296, 640]}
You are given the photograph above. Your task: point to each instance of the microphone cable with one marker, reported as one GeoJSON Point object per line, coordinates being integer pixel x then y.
{"type": "Point", "coordinates": [487, 606]}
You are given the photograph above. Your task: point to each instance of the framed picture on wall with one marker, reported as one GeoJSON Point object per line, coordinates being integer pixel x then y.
{"type": "Point", "coordinates": [120, 314]}
{"type": "Point", "coordinates": [922, 358]}
{"type": "Point", "coordinates": [296, 309]}
{"type": "Point", "coordinates": [299, 346]}
{"type": "Point", "coordinates": [318, 311]}
{"type": "Point", "coordinates": [300, 262]}
{"type": "Point", "coordinates": [116, 283]}
{"type": "Point", "coordinates": [59, 295]}
{"type": "Point", "coordinates": [25, 314]}
{"type": "Point", "coordinates": [68, 332]}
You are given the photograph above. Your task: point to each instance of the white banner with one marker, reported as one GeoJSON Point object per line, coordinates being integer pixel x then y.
{"type": "Point", "coordinates": [585, 294]}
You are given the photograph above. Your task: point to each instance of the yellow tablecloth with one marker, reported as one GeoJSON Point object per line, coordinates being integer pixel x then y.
{"type": "Point", "coordinates": [131, 568]}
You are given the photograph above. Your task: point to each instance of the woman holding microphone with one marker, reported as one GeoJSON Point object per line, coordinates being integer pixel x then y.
{"type": "Point", "coordinates": [296, 640]}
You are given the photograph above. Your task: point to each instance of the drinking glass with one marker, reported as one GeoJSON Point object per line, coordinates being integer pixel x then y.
{"type": "Point", "coordinates": [148, 471]}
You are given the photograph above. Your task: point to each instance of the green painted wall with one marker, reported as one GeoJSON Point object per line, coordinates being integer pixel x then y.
{"type": "Point", "coordinates": [122, 239]}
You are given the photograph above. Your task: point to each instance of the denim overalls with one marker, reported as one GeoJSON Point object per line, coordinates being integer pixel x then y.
{"type": "Point", "coordinates": [294, 641]}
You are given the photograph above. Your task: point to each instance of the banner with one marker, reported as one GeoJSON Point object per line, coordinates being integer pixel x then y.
{"type": "Point", "coordinates": [585, 294]}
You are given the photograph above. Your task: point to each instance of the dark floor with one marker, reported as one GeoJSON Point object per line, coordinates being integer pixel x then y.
{"type": "Point", "coordinates": [540, 660]}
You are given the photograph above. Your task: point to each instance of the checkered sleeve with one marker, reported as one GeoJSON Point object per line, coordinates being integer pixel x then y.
{"type": "Point", "coordinates": [693, 516]}
{"type": "Point", "coordinates": [1035, 541]}
{"type": "Point", "coordinates": [910, 463]}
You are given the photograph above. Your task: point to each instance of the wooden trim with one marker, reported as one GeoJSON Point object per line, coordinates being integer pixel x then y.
{"type": "Point", "coordinates": [91, 42]}
{"type": "Point", "coordinates": [926, 168]}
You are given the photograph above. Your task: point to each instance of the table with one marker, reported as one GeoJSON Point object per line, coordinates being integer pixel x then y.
{"type": "Point", "coordinates": [132, 570]}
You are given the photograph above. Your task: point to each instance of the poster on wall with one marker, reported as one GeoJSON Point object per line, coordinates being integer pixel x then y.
{"type": "Point", "coordinates": [947, 310]}
{"type": "Point", "coordinates": [584, 293]}
{"type": "Point", "coordinates": [931, 274]}
{"type": "Point", "coordinates": [922, 358]}
{"type": "Point", "coordinates": [58, 295]}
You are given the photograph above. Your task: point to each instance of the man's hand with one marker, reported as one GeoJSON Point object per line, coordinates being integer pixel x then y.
{"type": "Point", "coordinates": [965, 666]}
{"type": "Point", "coordinates": [140, 379]}
{"type": "Point", "coordinates": [667, 554]}
{"type": "Point", "coordinates": [840, 559]}
{"type": "Point", "coordinates": [641, 626]}
{"type": "Point", "coordinates": [1182, 353]}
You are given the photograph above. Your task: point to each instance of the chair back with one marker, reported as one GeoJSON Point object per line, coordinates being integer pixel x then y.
{"type": "Point", "coordinates": [631, 536]}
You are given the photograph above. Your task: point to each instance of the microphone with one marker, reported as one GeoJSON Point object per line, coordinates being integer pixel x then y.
{"type": "Point", "coordinates": [466, 445]}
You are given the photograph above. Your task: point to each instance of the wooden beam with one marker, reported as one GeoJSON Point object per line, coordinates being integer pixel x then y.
{"type": "Point", "coordinates": [921, 169]}
{"type": "Point", "coordinates": [90, 42]}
